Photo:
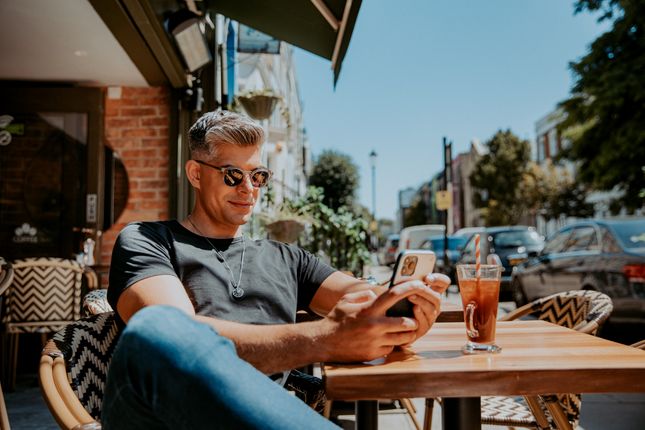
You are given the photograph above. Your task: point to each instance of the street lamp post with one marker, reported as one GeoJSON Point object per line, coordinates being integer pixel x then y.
{"type": "Point", "coordinates": [373, 156]}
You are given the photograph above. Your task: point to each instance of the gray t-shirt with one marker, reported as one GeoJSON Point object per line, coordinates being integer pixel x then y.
{"type": "Point", "coordinates": [278, 279]}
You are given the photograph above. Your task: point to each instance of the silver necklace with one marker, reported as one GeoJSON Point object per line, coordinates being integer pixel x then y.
{"type": "Point", "coordinates": [237, 291]}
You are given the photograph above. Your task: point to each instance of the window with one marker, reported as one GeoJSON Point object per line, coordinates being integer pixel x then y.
{"type": "Point", "coordinates": [557, 242]}
{"type": "Point", "coordinates": [609, 244]}
{"type": "Point", "coordinates": [582, 239]}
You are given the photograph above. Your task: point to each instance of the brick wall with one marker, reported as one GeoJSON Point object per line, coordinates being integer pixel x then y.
{"type": "Point", "coordinates": [136, 128]}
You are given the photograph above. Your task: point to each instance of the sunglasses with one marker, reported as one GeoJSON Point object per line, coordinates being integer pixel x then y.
{"type": "Point", "coordinates": [234, 176]}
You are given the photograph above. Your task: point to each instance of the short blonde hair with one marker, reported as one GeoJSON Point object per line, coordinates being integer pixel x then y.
{"type": "Point", "coordinates": [222, 128]}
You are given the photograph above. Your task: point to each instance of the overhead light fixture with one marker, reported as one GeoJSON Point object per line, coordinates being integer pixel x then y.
{"type": "Point", "coordinates": [187, 29]}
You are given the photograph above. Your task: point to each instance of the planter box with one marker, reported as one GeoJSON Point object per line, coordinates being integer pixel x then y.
{"type": "Point", "coordinates": [259, 107]}
{"type": "Point", "coordinates": [285, 231]}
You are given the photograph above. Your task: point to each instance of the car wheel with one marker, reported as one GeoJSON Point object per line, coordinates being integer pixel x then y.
{"type": "Point", "coordinates": [518, 293]}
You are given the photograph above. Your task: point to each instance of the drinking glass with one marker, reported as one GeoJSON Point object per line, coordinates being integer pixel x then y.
{"type": "Point", "coordinates": [480, 297]}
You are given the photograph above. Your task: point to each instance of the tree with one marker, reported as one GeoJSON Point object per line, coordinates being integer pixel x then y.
{"type": "Point", "coordinates": [337, 175]}
{"type": "Point", "coordinates": [605, 115]}
{"type": "Point", "coordinates": [416, 214]}
{"type": "Point", "coordinates": [551, 191]}
{"type": "Point", "coordinates": [497, 179]}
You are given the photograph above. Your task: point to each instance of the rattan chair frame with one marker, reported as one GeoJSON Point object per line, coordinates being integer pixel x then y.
{"type": "Point", "coordinates": [63, 403]}
{"type": "Point", "coordinates": [73, 369]}
{"type": "Point", "coordinates": [6, 277]}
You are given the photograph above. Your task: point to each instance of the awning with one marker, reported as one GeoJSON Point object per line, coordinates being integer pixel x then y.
{"type": "Point", "coordinates": [322, 27]}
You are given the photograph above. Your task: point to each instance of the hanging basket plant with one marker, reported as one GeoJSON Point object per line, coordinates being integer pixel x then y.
{"type": "Point", "coordinates": [286, 231]}
{"type": "Point", "coordinates": [259, 104]}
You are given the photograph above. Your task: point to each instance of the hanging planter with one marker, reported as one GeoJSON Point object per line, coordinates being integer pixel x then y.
{"type": "Point", "coordinates": [285, 230]}
{"type": "Point", "coordinates": [258, 105]}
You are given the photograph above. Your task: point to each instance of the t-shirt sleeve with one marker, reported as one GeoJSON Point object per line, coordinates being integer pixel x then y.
{"type": "Point", "coordinates": [140, 251]}
{"type": "Point", "coordinates": [311, 273]}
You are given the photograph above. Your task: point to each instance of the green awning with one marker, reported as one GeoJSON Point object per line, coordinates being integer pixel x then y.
{"type": "Point", "coordinates": [322, 27]}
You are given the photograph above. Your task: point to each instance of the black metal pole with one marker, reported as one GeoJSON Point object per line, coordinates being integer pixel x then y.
{"type": "Point", "coordinates": [461, 413]}
{"type": "Point", "coordinates": [367, 415]}
{"type": "Point", "coordinates": [446, 161]}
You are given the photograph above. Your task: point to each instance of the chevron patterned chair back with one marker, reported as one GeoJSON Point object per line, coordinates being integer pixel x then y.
{"type": "Point", "coordinates": [44, 296]}
{"type": "Point", "coordinates": [73, 370]}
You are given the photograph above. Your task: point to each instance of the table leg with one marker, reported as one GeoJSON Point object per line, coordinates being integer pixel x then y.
{"type": "Point", "coordinates": [462, 413]}
{"type": "Point", "coordinates": [367, 415]}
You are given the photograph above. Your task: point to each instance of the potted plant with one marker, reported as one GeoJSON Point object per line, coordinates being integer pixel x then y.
{"type": "Point", "coordinates": [285, 222]}
{"type": "Point", "coordinates": [259, 104]}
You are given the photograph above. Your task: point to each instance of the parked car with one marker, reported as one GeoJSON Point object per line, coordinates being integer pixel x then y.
{"type": "Point", "coordinates": [455, 246]}
{"type": "Point", "coordinates": [602, 255]}
{"type": "Point", "coordinates": [412, 237]}
{"type": "Point", "coordinates": [512, 244]}
{"type": "Point", "coordinates": [388, 252]}
{"type": "Point", "coordinates": [468, 232]}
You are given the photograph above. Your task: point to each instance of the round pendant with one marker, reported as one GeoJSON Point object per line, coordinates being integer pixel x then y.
{"type": "Point", "coordinates": [238, 292]}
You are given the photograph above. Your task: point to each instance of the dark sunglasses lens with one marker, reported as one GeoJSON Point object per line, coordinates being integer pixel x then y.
{"type": "Point", "coordinates": [260, 178]}
{"type": "Point", "coordinates": [233, 177]}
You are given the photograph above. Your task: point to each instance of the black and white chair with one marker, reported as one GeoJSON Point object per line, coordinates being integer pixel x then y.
{"type": "Point", "coordinates": [73, 370]}
{"type": "Point", "coordinates": [44, 296]}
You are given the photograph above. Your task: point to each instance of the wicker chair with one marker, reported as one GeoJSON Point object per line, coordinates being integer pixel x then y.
{"type": "Point", "coordinates": [584, 311]}
{"type": "Point", "coordinates": [45, 295]}
{"type": "Point", "coordinates": [73, 370]}
{"type": "Point", "coordinates": [95, 302]}
{"type": "Point", "coordinates": [640, 344]}
{"type": "Point", "coordinates": [6, 277]}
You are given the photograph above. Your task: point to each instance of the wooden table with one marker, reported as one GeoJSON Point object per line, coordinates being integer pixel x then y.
{"type": "Point", "coordinates": [537, 358]}
{"type": "Point", "coordinates": [451, 312]}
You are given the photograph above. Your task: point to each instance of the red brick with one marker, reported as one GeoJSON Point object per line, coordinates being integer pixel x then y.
{"type": "Point", "coordinates": [142, 195]}
{"type": "Point", "coordinates": [147, 184]}
{"type": "Point", "coordinates": [112, 132]}
{"type": "Point", "coordinates": [154, 143]}
{"type": "Point", "coordinates": [111, 111]}
{"type": "Point", "coordinates": [153, 204]}
{"type": "Point", "coordinates": [156, 162]}
{"type": "Point", "coordinates": [144, 173]}
{"type": "Point", "coordinates": [131, 154]}
{"type": "Point", "coordinates": [139, 132]}
{"type": "Point", "coordinates": [122, 122]}
{"type": "Point", "coordinates": [125, 143]}
{"type": "Point", "coordinates": [138, 111]}
{"type": "Point", "coordinates": [157, 120]}
{"type": "Point", "coordinates": [152, 101]}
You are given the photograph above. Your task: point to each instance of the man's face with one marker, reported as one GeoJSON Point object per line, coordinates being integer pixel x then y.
{"type": "Point", "coordinates": [229, 206]}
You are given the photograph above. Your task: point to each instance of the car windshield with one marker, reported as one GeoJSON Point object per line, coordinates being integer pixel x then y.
{"type": "Point", "coordinates": [630, 234]}
{"type": "Point", "coordinates": [517, 238]}
{"type": "Point", "coordinates": [454, 243]}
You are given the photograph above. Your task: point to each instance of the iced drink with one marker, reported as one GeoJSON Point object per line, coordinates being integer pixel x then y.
{"type": "Point", "coordinates": [480, 297]}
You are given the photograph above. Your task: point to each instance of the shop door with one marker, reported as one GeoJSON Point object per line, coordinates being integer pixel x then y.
{"type": "Point", "coordinates": [51, 165]}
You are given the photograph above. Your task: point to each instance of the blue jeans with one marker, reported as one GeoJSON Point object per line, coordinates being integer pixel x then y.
{"type": "Point", "coordinates": [169, 371]}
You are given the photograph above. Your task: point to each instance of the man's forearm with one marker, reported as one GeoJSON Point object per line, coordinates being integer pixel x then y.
{"type": "Point", "coordinates": [274, 348]}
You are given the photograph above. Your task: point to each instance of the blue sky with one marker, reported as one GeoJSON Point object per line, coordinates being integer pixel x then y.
{"type": "Point", "coordinates": [427, 69]}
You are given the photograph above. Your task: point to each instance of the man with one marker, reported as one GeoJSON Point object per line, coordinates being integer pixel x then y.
{"type": "Point", "coordinates": [249, 291]}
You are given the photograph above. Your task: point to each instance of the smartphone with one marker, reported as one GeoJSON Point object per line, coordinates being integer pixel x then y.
{"type": "Point", "coordinates": [411, 264]}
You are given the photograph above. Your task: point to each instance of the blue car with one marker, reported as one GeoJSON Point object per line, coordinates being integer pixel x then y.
{"type": "Point", "coordinates": [513, 245]}
{"type": "Point", "coordinates": [455, 245]}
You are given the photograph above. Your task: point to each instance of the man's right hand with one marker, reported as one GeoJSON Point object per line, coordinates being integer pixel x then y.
{"type": "Point", "coordinates": [357, 329]}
